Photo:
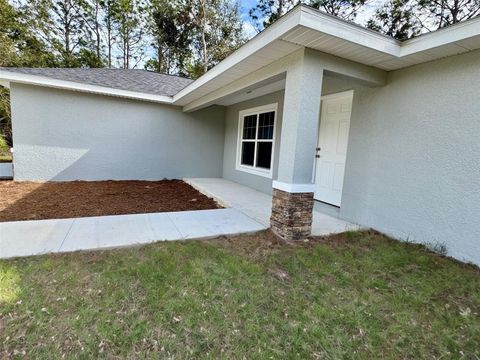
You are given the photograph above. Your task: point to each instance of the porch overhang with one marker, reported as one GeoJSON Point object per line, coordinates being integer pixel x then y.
{"type": "Point", "coordinates": [341, 43]}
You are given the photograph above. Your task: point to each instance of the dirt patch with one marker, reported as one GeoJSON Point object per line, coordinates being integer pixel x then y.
{"type": "Point", "coordinates": [59, 200]}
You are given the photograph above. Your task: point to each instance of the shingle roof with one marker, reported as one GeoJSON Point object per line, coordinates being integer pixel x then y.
{"type": "Point", "coordinates": [132, 79]}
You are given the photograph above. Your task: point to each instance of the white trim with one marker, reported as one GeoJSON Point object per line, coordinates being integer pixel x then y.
{"type": "Point", "coordinates": [293, 188]}
{"type": "Point", "coordinates": [339, 95]}
{"type": "Point", "coordinates": [268, 173]}
{"type": "Point", "coordinates": [327, 24]}
{"type": "Point", "coordinates": [447, 35]}
{"type": "Point", "coordinates": [8, 76]}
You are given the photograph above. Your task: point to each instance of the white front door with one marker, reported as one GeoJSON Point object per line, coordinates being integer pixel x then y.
{"type": "Point", "coordinates": [332, 147]}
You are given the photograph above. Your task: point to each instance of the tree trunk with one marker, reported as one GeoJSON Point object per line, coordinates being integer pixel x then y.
{"type": "Point", "coordinates": [109, 41]}
{"type": "Point", "coordinates": [204, 41]}
{"type": "Point", "coordinates": [97, 31]}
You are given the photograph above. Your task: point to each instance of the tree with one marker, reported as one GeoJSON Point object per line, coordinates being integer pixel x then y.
{"type": "Point", "coordinates": [219, 32]}
{"type": "Point", "coordinates": [396, 19]}
{"type": "Point", "coordinates": [441, 13]}
{"type": "Point", "coordinates": [62, 25]}
{"type": "Point", "coordinates": [68, 26]}
{"type": "Point", "coordinates": [344, 9]}
{"type": "Point", "coordinates": [5, 117]}
{"type": "Point", "coordinates": [18, 44]}
{"type": "Point", "coordinates": [92, 17]}
{"type": "Point", "coordinates": [127, 21]}
{"type": "Point", "coordinates": [172, 32]}
{"type": "Point", "coordinates": [266, 12]}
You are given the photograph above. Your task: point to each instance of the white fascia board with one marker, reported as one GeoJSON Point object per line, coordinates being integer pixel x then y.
{"type": "Point", "coordinates": [331, 25]}
{"type": "Point", "coordinates": [293, 188]}
{"type": "Point", "coordinates": [12, 77]}
{"type": "Point", "coordinates": [445, 36]}
{"type": "Point", "coordinates": [272, 33]}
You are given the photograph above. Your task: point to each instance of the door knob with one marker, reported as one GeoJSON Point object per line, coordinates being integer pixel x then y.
{"type": "Point", "coordinates": [318, 149]}
{"type": "Point", "coordinates": [317, 156]}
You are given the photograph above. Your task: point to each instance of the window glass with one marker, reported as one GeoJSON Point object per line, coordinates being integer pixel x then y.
{"type": "Point", "coordinates": [248, 153]}
{"type": "Point", "coordinates": [250, 127]}
{"type": "Point", "coordinates": [264, 154]}
{"type": "Point", "coordinates": [265, 125]}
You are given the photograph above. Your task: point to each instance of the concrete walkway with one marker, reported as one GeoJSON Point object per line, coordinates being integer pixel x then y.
{"type": "Point", "coordinates": [247, 211]}
{"type": "Point", "coordinates": [24, 238]}
{"type": "Point", "coordinates": [258, 205]}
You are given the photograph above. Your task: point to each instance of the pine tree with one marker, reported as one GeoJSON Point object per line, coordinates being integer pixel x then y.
{"type": "Point", "coordinates": [396, 19]}
{"type": "Point", "coordinates": [218, 32]}
{"type": "Point", "coordinates": [172, 32]}
{"type": "Point", "coordinates": [344, 9]}
{"type": "Point", "coordinates": [266, 12]}
{"type": "Point", "coordinates": [441, 13]}
{"type": "Point", "coordinates": [128, 23]}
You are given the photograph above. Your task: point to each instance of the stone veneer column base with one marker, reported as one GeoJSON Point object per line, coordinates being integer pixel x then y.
{"type": "Point", "coordinates": [292, 213]}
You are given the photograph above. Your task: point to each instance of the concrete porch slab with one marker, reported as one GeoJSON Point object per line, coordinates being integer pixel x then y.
{"type": "Point", "coordinates": [25, 238]}
{"type": "Point", "coordinates": [258, 205]}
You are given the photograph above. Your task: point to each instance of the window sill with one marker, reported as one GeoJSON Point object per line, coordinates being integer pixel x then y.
{"type": "Point", "coordinates": [254, 171]}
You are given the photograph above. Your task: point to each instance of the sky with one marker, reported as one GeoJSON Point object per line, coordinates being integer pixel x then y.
{"type": "Point", "coordinates": [362, 17]}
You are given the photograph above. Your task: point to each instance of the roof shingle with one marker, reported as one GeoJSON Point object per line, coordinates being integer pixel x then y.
{"type": "Point", "coordinates": [142, 81]}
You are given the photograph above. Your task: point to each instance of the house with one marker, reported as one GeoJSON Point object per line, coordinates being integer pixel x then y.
{"type": "Point", "coordinates": [312, 109]}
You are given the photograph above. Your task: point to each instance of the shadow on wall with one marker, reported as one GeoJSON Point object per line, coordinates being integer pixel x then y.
{"type": "Point", "coordinates": [128, 154]}
{"type": "Point", "coordinates": [62, 135]}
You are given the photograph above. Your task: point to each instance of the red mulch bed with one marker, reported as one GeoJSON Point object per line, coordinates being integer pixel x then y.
{"type": "Point", "coordinates": [59, 200]}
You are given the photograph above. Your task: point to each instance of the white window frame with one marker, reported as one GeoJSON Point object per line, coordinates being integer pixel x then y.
{"type": "Point", "coordinates": [256, 111]}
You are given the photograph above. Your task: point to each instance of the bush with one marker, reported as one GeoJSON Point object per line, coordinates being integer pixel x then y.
{"type": "Point", "coordinates": [3, 145]}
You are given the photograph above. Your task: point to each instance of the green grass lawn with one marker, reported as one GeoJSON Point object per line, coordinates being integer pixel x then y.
{"type": "Point", "coordinates": [359, 296]}
{"type": "Point", "coordinates": [5, 158]}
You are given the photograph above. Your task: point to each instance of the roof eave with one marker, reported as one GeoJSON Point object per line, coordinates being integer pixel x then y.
{"type": "Point", "coordinates": [447, 35]}
{"type": "Point", "coordinates": [306, 17]}
{"type": "Point", "coordinates": [7, 77]}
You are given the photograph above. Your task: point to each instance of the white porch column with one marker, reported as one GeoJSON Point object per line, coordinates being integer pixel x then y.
{"type": "Point", "coordinates": [293, 191]}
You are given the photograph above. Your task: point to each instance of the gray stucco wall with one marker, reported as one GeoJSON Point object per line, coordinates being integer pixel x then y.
{"type": "Point", "coordinates": [413, 163]}
{"type": "Point", "coordinates": [64, 135]}
{"type": "Point", "coordinates": [231, 134]}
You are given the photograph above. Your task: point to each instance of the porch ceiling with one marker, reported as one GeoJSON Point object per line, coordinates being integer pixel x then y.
{"type": "Point", "coordinates": [271, 85]}
{"type": "Point", "coordinates": [254, 61]}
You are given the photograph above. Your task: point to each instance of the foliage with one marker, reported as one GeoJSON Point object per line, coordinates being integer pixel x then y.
{"type": "Point", "coordinates": [3, 145]}
{"type": "Point", "coordinates": [266, 12]}
{"type": "Point", "coordinates": [218, 31]}
{"type": "Point", "coordinates": [441, 13]}
{"type": "Point", "coordinates": [353, 296]}
{"type": "Point", "coordinates": [128, 23]}
{"type": "Point", "coordinates": [344, 9]}
{"type": "Point", "coordinates": [396, 18]}
{"type": "Point", "coordinates": [5, 118]}
{"type": "Point", "coordinates": [172, 33]}
{"type": "Point", "coordinates": [404, 19]}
